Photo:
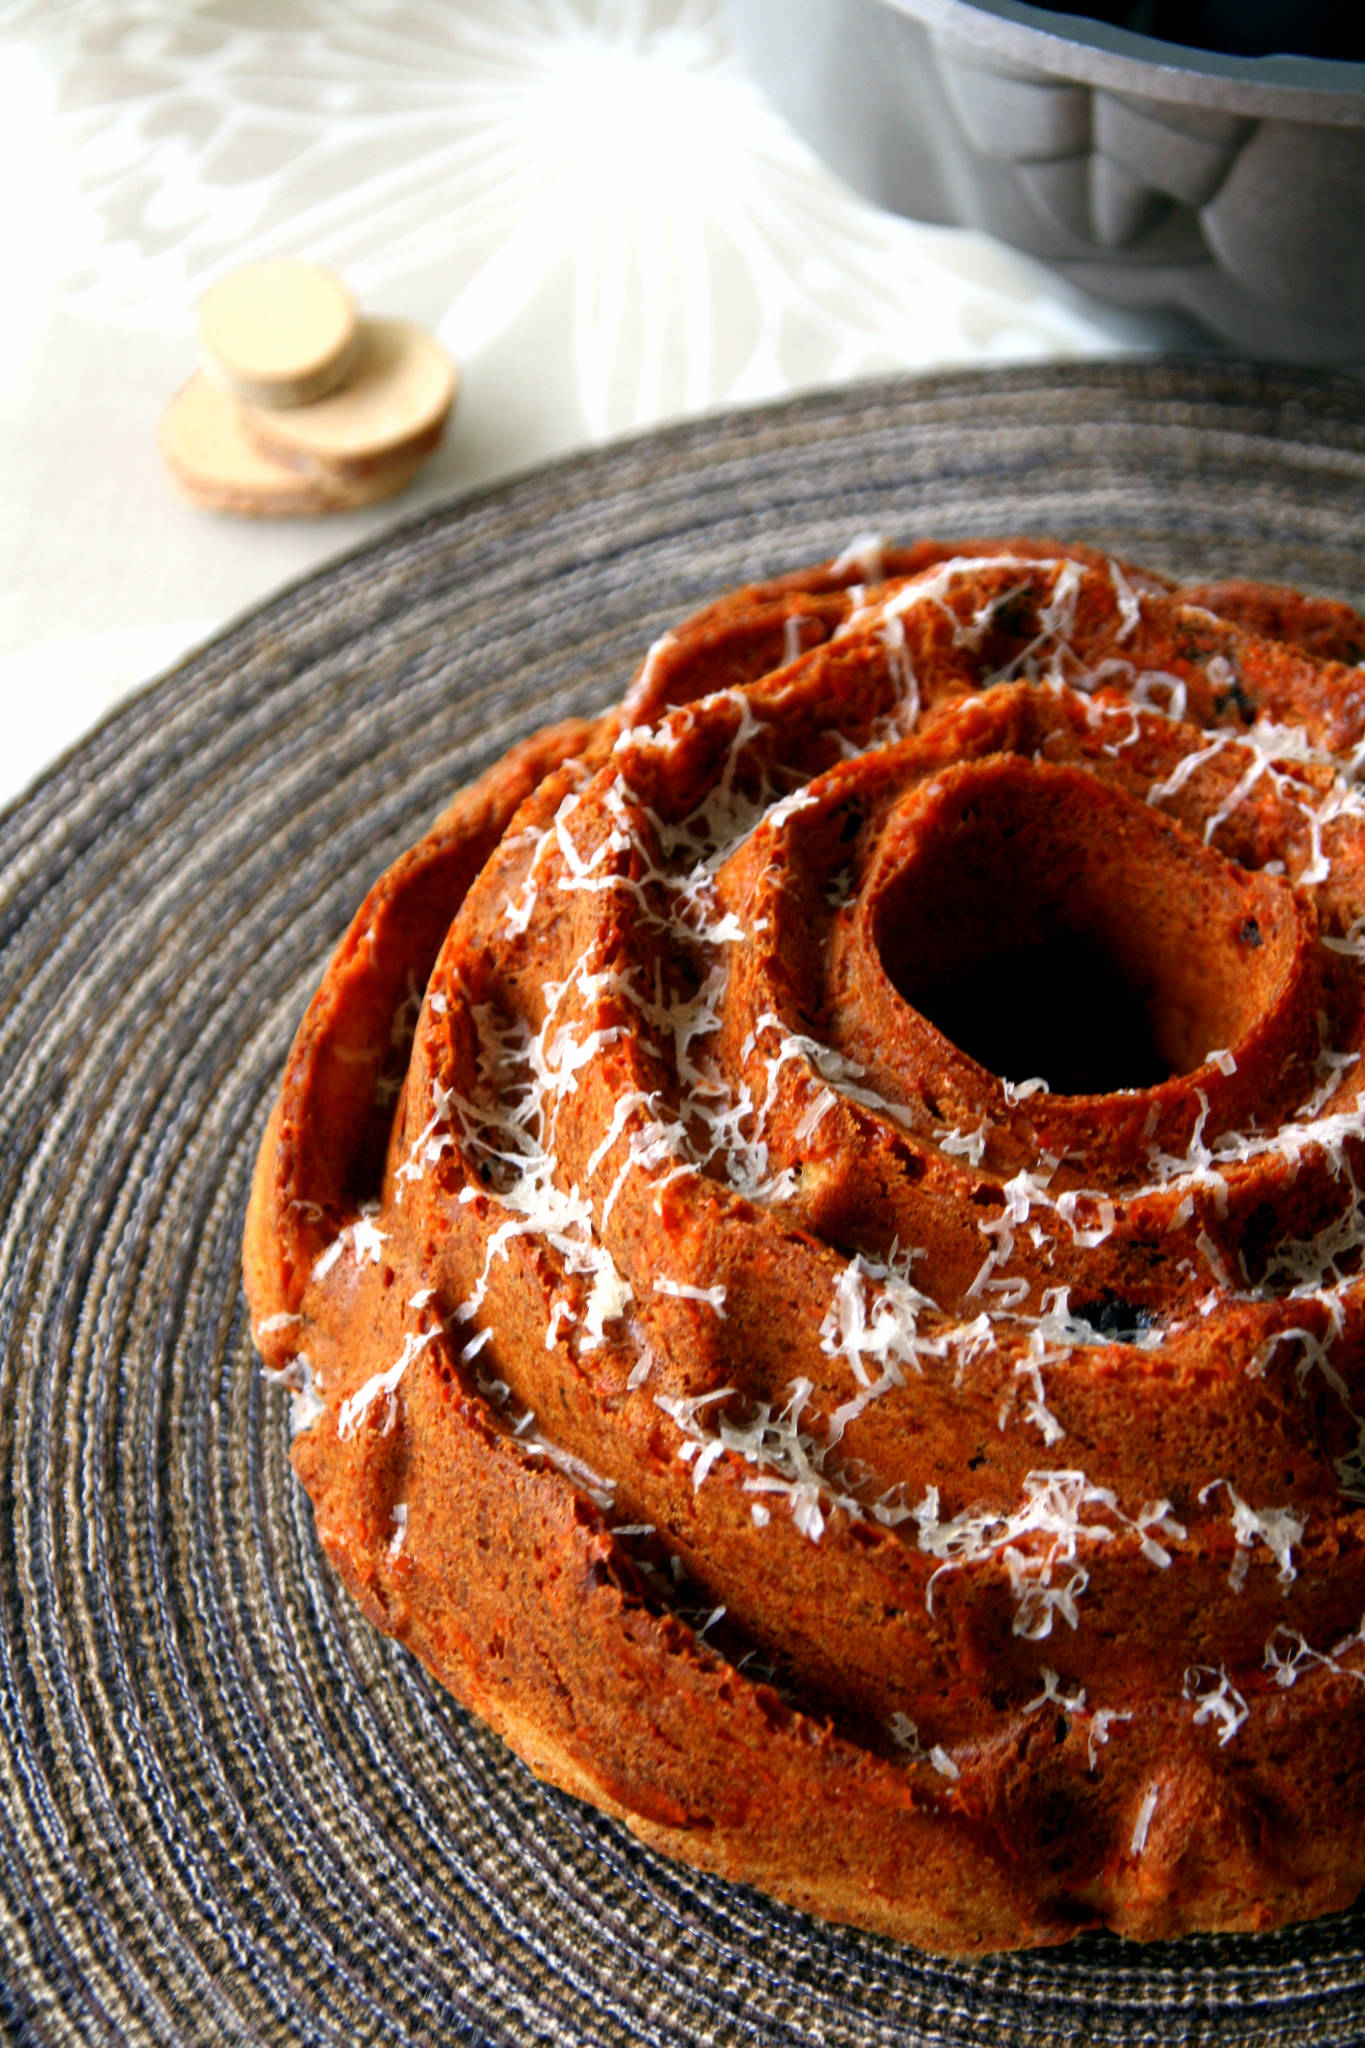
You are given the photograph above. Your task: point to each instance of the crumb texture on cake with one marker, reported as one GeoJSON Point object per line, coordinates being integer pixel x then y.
{"type": "Point", "coordinates": [814, 1229]}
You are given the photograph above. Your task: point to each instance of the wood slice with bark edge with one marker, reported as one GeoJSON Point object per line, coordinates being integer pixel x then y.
{"type": "Point", "coordinates": [394, 406]}
{"type": "Point", "coordinates": [202, 445]}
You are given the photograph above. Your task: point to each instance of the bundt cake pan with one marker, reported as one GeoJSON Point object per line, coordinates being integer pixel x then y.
{"type": "Point", "coordinates": [1162, 179]}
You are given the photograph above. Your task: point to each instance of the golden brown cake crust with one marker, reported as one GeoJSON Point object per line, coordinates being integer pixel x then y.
{"type": "Point", "coordinates": [933, 1496]}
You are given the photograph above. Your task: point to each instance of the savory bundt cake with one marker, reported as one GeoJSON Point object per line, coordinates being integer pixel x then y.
{"type": "Point", "coordinates": [815, 1228]}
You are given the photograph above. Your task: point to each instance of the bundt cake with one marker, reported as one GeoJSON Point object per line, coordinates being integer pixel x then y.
{"type": "Point", "coordinates": [814, 1225]}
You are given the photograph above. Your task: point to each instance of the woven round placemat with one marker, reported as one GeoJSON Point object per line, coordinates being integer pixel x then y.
{"type": "Point", "coordinates": [230, 1812]}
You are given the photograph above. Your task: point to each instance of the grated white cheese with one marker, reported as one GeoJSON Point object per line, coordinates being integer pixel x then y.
{"type": "Point", "coordinates": [905, 1734]}
{"type": "Point", "coordinates": [787, 1460]}
{"type": "Point", "coordinates": [1288, 1655]}
{"type": "Point", "coordinates": [1278, 1528]}
{"type": "Point", "coordinates": [1048, 1520]}
{"type": "Point", "coordinates": [1100, 1724]}
{"type": "Point", "coordinates": [271, 1324]}
{"type": "Point", "coordinates": [1143, 1822]}
{"type": "Point", "coordinates": [1217, 1700]}
{"type": "Point", "coordinates": [363, 1237]}
{"type": "Point", "coordinates": [300, 1383]}
{"type": "Point", "coordinates": [684, 1290]}
{"type": "Point", "coordinates": [863, 553]}
{"type": "Point", "coordinates": [1052, 1695]}
{"type": "Point", "coordinates": [380, 1386]}
{"type": "Point", "coordinates": [1130, 605]}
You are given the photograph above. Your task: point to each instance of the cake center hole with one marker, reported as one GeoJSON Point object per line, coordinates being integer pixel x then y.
{"type": "Point", "coordinates": [1062, 1008]}
{"type": "Point", "coordinates": [1049, 926]}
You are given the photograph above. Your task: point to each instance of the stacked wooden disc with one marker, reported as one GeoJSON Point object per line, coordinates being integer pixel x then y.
{"type": "Point", "coordinates": [300, 404]}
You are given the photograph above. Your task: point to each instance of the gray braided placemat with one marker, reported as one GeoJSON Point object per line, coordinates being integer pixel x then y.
{"type": "Point", "coordinates": [229, 1812]}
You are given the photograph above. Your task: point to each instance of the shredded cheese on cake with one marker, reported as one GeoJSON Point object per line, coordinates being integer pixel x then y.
{"type": "Point", "coordinates": [648, 1099]}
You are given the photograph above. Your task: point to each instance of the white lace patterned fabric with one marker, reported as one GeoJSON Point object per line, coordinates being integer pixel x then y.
{"type": "Point", "coordinates": [590, 202]}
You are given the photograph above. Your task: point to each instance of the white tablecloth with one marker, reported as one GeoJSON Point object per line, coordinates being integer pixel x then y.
{"type": "Point", "coordinates": [587, 199]}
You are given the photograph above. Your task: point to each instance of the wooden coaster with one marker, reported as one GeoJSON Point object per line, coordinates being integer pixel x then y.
{"type": "Point", "coordinates": [393, 405]}
{"type": "Point", "coordinates": [279, 333]}
{"type": "Point", "coordinates": [204, 448]}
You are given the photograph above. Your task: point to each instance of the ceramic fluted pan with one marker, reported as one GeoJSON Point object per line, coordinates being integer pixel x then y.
{"type": "Point", "coordinates": [229, 1811]}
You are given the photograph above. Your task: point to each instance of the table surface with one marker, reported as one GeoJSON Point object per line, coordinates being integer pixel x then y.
{"type": "Point", "coordinates": [586, 199]}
